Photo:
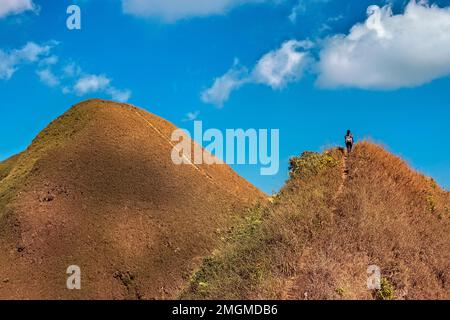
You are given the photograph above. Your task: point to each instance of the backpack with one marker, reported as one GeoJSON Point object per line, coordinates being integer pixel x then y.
{"type": "Point", "coordinates": [349, 139]}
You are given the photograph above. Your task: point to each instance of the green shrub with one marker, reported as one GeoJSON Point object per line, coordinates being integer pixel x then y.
{"type": "Point", "coordinates": [386, 292]}
{"type": "Point", "coordinates": [311, 163]}
{"type": "Point", "coordinates": [431, 205]}
{"type": "Point", "coordinates": [340, 291]}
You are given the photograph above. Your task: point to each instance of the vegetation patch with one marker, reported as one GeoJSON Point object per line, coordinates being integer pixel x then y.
{"type": "Point", "coordinates": [227, 261]}
{"type": "Point", "coordinates": [340, 291]}
{"type": "Point", "coordinates": [311, 163]}
{"type": "Point", "coordinates": [431, 203]}
{"type": "Point", "coordinates": [386, 292]}
{"type": "Point", "coordinates": [264, 246]}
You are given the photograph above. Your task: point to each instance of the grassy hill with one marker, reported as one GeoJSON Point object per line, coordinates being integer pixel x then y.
{"type": "Point", "coordinates": [336, 216]}
{"type": "Point", "coordinates": [97, 188]}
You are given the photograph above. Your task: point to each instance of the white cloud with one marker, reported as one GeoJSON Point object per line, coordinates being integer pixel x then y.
{"type": "Point", "coordinates": [191, 116]}
{"type": "Point", "coordinates": [70, 78]}
{"type": "Point", "coordinates": [48, 77]}
{"type": "Point", "coordinates": [52, 60]}
{"type": "Point", "coordinates": [32, 52]}
{"type": "Point", "coordinates": [220, 91]}
{"type": "Point", "coordinates": [75, 80]}
{"type": "Point", "coordinates": [91, 83]}
{"type": "Point", "coordinates": [172, 10]}
{"type": "Point", "coordinates": [119, 95]}
{"type": "Point", "coordinates": [304, 7]}
{"type": "Point", "coordinates": [10, 7]}
{"type": "Point", "coordinates": [389, 51]}
{"type": "Point", "coordinates": [298, 9]}
{"type": "Point", "coordinates": [11, 60]}
{"type": "Point", "coordinates": [71, 70]}
{"type": "Point", "coordinates": [274, 69]}
{"type": "Point", "coordinates": [284, 65]}
{"type": "Point", "coordinates": [7, 65]}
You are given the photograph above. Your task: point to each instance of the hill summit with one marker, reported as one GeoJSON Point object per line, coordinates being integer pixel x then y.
{"type": "Point", "coordinates": [98, 189]}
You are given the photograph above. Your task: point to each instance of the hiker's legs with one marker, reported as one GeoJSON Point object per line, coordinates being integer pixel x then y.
{"type": "Point", "coordinates": [349, 148]}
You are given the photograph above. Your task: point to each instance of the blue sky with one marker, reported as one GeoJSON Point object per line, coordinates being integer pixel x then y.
{"type": "Point", "coordinates": [311, 69]}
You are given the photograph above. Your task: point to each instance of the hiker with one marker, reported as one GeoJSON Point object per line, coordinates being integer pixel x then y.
{"type": "Point", "coordinates": [349, 141]}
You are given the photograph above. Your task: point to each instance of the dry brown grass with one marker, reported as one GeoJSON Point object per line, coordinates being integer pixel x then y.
{"type": "Point", "coordinates": [393, 217]}
{"type": "Point", "coordinates": [317, 240]}
{"type": "Point", "coordinates": [264, 252]}
{"type": "Point", "coordinates": [98, 188]}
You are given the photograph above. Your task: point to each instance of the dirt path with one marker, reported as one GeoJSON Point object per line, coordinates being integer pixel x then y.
{"type": "Point", "coordinates": [291, 291]}
{"type": "Point", "coordinates": [344, 177]}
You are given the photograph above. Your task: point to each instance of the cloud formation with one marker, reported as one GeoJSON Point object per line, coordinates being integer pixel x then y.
{"type": "Point", "coordinates": [91, 83]}
{"type": "Point", "coordinates": [222, 86]}
{"type": "Point", "coordinates": [385, 52]}
{"type": "Point", "coordinates": [118, 94]}
{"type": "Point", "coordinates": [11, 60]}
{"type": "Point", "coordinates": [70, 78]}
{"type": "Point", "coordinates": [48, 77]}
{"type": "Point", "coordinates": [10, 7]}
{"type": "Point", "coordinates": [275, 69]}
{"type": "Point", "coordinates": [279, 67]}
{"type": "Point", "coordinates": [298, 9]}
{"type": "Point", "coordinates": [389, 51]}
{"type": "Point", "coordinates": [172, 10]}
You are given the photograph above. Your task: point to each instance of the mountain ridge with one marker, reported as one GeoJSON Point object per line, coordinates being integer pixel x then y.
{"type": "Point", "coordinates": [336, 217]}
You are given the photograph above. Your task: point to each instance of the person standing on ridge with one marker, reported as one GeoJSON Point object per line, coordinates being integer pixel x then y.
{"type": "Point", "coordinates": [349, 141]}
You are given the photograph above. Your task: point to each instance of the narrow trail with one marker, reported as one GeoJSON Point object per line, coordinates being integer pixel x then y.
{"type": "Point", "coordinates": [344, 177]}
{"type": "Point", "coordinates": [171, 143]}
{"type": "Point", "coordinates": [291, 291]}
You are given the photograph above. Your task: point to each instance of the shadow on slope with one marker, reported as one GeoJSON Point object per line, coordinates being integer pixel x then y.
{"type": "Point", "coordinates": [98, 189]}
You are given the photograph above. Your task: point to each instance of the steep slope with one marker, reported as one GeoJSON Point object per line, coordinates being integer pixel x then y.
{"type": "Point", "coordinates": [98, 189]}
{"type": "Point", "coordinates": [337, 216]}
